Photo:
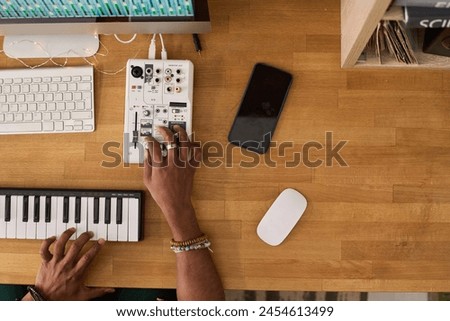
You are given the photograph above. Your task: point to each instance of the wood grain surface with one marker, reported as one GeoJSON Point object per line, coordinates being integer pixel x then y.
{"type": "Point", "coordinates": [381, 223]}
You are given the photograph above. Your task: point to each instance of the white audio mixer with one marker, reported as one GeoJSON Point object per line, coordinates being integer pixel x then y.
{"type": "Point", "coordinates": [158, 93]}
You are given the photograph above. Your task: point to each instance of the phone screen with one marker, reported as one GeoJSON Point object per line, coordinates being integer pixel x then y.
{"type": "Point", "coordinates": [260, 108]}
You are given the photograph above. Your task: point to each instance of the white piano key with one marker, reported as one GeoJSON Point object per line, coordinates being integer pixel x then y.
{"type": "Point", "coordinates": [21, 231]}
{"type": "Point", "coordinates": [41, 232]}
{"type": "Point", "coordinates": [112, 227]}
{"type": "Point", "coordinates": [31, 225]}
{"type": "Point", "coordinates": [133, 220]}
{"type": "Point", "coordinates": [71, 222]}
{"type": "Point", "coordinates": [12, 224]}
{"type": "Point", "coordinates": [83, 225]}
{"type": "Point", "coordinates": [60, 225]}
{"type": "Point", "coordinates": [90, 215]}
{"type": "Point", "coordinates": [123, 228]}
{"type": "Point", "coordinates": [51, 226]}
{"type": "Point", "coordinates": [102, 229]}
{"type": "Point", "coordinates": [2, 217]}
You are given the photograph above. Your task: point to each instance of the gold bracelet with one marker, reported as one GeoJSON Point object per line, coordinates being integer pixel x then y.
{"type": "Point", "coordinates": [197, 240]}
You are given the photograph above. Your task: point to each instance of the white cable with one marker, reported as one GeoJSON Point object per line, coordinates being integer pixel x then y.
{"type": "Point", "coordinates": [125, 41]}
{"type": "Point", "coordinates": [163, 48]}
{"type": "Point", "coordinates": [152, 48]}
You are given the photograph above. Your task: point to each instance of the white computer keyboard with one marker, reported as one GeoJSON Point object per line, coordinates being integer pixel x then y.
{"type": "Point", "coordinates": [47, 100]}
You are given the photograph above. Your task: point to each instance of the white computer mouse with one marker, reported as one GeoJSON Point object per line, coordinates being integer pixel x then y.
{"type": "Point", "coordinates": [281, 217]}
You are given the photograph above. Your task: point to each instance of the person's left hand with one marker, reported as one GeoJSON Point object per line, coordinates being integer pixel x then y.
{"type": "Point", "coordinates": [61, 275]}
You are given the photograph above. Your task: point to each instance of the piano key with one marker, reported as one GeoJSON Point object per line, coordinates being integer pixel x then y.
{"type": "Point", "coordinates": [112, 226]}
{"type": "Point", "coordinates": [48, 209]}
{"type": "Point", "coordinates": [60, 225]}
{"type": "Point", "coordinates": [11, 224]}
{"type": "Point", "coordinates": [36, 209]}
{"type": "Point", "coordinates": [119, 211]}
{"type": "Point", "coordinates": [133, 220]}
{"type": "Point", "coordinates": [77, 209]}
{"type": "Point", "coordinates": [8, 208]}
{"type": "Point", "coordinates": [107, 210]}
{"type": "Point", "coordinates": [102, 229]}
{"type": "Point", "coordinates": [25, 209]}
{"type": "Point", "coordinates": [21, 229]}
{"type": "Point", "coordinates": [31, 224]}
{"type": "Point", "coordinates": [96, 213]}
{"type": "Point", "coordinates": [51, 226]}
{"type": "Point", "coordinates": [123, 227]}
{"type": "Point", "coordinates": [66, 209]}
{"type": "Point", "coordinates": [82, 225]}
{"type": "Point", "coordinates": [71, 220]}
{"type": "Point", "coordinates": [92, 226]}
{"type": "Point", "coordinates": [41, 228]}
{"type": "Point", "coordinates": [2, 217]}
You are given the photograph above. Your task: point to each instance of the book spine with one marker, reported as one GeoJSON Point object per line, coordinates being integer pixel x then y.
{"type": "Point", "coordinates": [416, 17]}
{"type": "Point", "coordinates": [422, 3]}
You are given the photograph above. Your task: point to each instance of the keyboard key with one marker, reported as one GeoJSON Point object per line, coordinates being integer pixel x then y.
{"type": "Point", "coordinates": [82, 225]}
{"type": "Point", "coordinates": [41, 230]}
{"type": "Point", "coordinates": [2, 217]}
{"type": "Point", "coordinates": [31, 225]}
{"type": "Point", "coordinates": [21, 226]}
{"type": "Point", "coordinates": [37, 208]}
{"type": "Point", "coordinates": [81, 115]}
{"type": "Point", "coordinates": [20, 127]}
{"type": "Point", "coordinates": [11, 222]}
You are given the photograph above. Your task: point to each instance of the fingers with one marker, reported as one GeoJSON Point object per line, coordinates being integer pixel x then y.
{"type": "Point", "coordinates": [197, 157]}
{"type": "Point", "coordinates": [184, 142]}
{"type": "Point", "coordinates": [154, 151]}
{"type": "Point", "coordinates": [87, 258]}
{"type": "Point", "coordinates": [60, 244]}
{"type": "Point", "coordinates": [77, 246]}
{"type": "Point", "coordinates": [168, 137]}
{"type": "Point", "coordinates": [147, 160]}
{"type": "Point", "coordinates": [45, 252]}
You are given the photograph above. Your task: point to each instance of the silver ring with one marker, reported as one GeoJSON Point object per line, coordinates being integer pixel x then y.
{"type": "Point", "coordinates": [171, 146]}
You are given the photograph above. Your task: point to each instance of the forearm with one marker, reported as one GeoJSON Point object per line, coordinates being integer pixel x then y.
{"type": "Point", "coordinates": [197, 277]}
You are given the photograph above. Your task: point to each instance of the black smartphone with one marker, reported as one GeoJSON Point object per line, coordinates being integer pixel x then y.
{"type": "Point", "coordinates": [260, 108]}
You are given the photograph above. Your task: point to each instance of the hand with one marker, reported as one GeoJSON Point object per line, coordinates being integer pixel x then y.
{"type": "Point", "coordinates": [169, 179]}
{"type": "Point", "coordinates": [61, 275]}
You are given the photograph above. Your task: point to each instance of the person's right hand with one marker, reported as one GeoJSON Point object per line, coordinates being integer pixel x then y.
{"type": "Point", "coordinates": [169, 179]}
{"type": "Point", "coordinates": [61, 275]}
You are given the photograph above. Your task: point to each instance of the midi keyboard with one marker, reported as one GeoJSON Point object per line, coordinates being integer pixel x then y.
{"type": "Point", "coordinates": [41, 213]}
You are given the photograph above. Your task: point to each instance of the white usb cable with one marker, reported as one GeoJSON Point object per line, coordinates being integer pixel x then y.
{"type": "Point", "coordinates": [152, 48]}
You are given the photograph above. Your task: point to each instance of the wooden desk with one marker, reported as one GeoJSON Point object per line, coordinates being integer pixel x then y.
{"type": "Point", "coordinates": [382, 223]}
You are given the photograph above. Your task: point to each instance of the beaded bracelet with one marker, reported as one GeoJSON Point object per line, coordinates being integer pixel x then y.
{"type": "Point", "coordinates": [35, 294]}
{"type": "Point", "coordinates": [198, 246]}
{"type": "Point", "coordinates": [199, 239]}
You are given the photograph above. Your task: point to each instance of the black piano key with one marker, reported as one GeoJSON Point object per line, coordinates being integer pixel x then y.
{"type": "Point", "coordinates": [78, 209]}
{"type": "Point", "coordinates": [36, 215]}
{"type": "Point", "coordinates": [66, 210]}
{"type": "Point", "coordinates": [107, 210]}
{"type": "Point", "coordinates": [25, 209]}
{"type": "Point", "coordinates": [8, 208]}
{"type": "Point", "coordinates": [119, 211]}
{"type": "Point", "coordinates": [96, 211]}
{"type": "Point", "coordinates": [48, 209]}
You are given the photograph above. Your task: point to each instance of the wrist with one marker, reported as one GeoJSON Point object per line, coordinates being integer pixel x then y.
{"type": "Point", "coordinates": [183, 223]}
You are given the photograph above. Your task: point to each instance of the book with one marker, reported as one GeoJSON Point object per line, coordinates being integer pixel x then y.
{"type": "Point", "coordinates": [418, 17]}
{"type": "Point", "coordinates": [391, 39]}
{"type": "Point", "coordinates": [422, 3]}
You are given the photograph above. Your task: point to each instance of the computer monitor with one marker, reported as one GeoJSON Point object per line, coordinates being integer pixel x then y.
{"type": "Point", "coordinates": [70, 28]}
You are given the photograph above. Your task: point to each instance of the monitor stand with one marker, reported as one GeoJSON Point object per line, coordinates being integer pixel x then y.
{"type": "Point", "coordinates": [50, 46]}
